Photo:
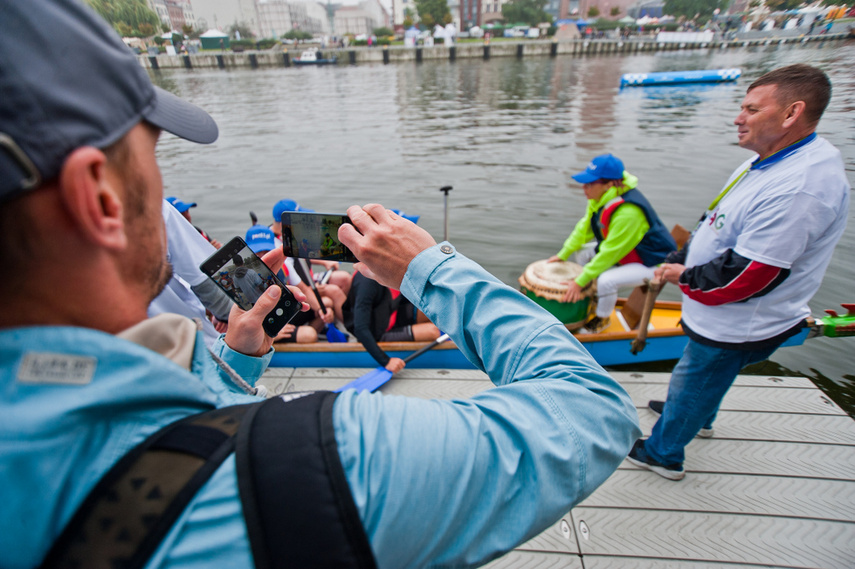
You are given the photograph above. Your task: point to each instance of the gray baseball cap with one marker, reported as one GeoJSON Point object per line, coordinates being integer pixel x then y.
{"type": "Point", "coordinates": [67, 81]}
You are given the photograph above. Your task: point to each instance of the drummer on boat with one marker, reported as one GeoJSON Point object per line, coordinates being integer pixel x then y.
{"type": "Point", "coordinates": [631, 240]}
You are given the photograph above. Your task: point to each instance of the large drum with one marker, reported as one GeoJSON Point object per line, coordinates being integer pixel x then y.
{"type": "Point", "coordinates": [546, 283]}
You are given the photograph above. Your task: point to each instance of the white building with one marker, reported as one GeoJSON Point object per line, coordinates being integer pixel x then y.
{"type": "Point", "coordinates": [277, 17]}
{"type": "Point", "coordinates": [221, 14]}
{"type": "Point", "coordinates": [361, 19]}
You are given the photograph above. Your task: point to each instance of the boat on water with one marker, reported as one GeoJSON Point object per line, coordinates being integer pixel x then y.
{"type": "Point", "coordinates": [314, 57]}
{"type": "Point", "coordinates": [611, 346]}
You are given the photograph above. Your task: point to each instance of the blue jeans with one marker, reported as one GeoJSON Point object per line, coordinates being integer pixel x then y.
{"type": "Point", "coordinates": [698, 384]}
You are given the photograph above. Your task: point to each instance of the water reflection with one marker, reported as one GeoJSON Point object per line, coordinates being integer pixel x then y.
{"type": "Point", "coordinates": [506, 133]}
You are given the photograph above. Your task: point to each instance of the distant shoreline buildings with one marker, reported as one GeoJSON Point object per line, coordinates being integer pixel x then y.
{"type": "Point", "coordinates": [273, 18]}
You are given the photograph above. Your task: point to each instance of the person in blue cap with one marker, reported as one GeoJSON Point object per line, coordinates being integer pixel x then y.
{"type": "Point", "coordinates": [324, 479]}
{"type": "Point", "coordinates": [631, 240]}
{"type": "Point", "coordinates": [184, 209]}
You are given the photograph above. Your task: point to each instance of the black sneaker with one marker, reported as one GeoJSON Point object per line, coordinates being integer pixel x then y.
{"type": "Point", "coordinates": [595, 325]}
{"type": "Point", "coordinates": [657, 406]}
{"type": "Point", "coordinates": [639, 457]}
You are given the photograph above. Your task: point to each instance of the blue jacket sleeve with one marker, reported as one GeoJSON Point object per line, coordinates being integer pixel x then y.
{"type": "Point", "coordinates": [457, 483]}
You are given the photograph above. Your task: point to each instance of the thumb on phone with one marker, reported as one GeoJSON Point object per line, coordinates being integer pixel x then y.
{"type": "Point", "coordinates": [245, 333]}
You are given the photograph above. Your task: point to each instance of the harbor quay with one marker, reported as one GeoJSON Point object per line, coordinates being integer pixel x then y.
{"type": "Point", "coordinates": [485, 50]}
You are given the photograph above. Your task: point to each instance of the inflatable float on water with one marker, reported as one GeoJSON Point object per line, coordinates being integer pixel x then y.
{"type": "Point", "coordinates": [677, 77]}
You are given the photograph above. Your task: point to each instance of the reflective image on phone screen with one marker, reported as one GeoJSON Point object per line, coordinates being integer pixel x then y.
{"type": "Point", "coordinates": [244, 277]}
{"type": "Point", "coordinates": [310, 235]}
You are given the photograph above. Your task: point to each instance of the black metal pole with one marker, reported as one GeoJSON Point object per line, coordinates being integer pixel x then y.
{"type": "Point", "coordinates": [445, 190]}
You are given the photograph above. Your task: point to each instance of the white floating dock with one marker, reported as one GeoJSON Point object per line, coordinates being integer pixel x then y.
{"type": "Point", "coordinates": [775, 486]}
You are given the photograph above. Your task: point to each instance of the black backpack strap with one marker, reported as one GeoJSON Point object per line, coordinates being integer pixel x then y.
{"type": "Point", "coordinates": [297, 504]}
{"type": "Point", "coordinates": [130, 510]}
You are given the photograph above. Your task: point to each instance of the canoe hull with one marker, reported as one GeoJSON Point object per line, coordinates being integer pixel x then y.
{"type": "Point", "coordinates": [665, 341]}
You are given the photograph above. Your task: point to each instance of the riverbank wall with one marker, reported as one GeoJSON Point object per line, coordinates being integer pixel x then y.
{"type": "Point", "coordinates": [485, 50]}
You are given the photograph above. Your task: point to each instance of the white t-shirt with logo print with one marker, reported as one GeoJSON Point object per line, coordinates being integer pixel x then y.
{"type": "Point", "coordinates": [788, 214]}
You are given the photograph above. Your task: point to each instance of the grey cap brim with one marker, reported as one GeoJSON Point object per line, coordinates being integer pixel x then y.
{"type": "Point", "coordinates": [181, 118]}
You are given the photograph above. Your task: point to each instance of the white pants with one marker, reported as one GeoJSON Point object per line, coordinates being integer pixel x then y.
{"type": "Point", "coordinates": [609, 281]}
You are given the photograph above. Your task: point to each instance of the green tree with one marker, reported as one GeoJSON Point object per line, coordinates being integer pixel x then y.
{"type": "Point", "coordinates": [781, 5]}
{"type": "Point", "coordinates": [530, 12]}
{"type": "Point", "coordinates": [408, 23]}
{"type": "Point", "coordinates": [701, 9]}
{"type": "Point", "coordinates": [593, 12]}
{"type": "Point", "coordinates": [436, 9]}
{"type": "Point", "coordinates": [615, 11]}
{"type": "Point", "coordinates": [296, 35]}
{"type": "Point", "coordinates": [126, 16]}
{"type": "Point", "coordinates": [243, 28]}
{"type": "Point", "coordinates": [380, 32]}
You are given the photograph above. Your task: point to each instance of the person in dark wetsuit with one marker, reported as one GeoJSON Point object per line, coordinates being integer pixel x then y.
{"type": "Point", "coordinates": [375, 313]}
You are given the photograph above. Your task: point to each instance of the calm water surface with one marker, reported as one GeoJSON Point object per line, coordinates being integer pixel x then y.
{"type": "Point", "coordinates": [506, 134]}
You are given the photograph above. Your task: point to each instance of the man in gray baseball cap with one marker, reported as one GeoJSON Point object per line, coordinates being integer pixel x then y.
{"type": "Point", "coordinates": [317, 479]}
{"type": "Point", "coordinates": [68, 81]}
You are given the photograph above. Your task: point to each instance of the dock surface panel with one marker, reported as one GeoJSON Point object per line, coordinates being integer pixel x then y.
{"type": "Point", "coordinates": [774, 487]}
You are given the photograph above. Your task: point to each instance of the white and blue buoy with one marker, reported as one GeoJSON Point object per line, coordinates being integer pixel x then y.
{"type": "Point", "coordinates": [676, 77]}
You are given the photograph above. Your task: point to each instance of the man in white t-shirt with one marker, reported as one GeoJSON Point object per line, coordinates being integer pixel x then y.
{"type": "Point", "coordinates": [755, 259]}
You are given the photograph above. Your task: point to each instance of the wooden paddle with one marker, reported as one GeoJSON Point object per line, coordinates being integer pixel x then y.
{"type": "Point", "coordinates": [653, 288]}
{"type": "Point", "coordinates": [377, 377]}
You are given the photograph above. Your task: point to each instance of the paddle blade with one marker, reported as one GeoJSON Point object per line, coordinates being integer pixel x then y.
{"type": "Point", "coordinates": [371, 381]}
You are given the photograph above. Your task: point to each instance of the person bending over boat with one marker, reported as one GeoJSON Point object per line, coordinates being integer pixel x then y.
{"type": "Point", "coordinates": [754, 260]}
{"type": "Point", "coordinates": [312, 479]}
{"type": "Point", "coordinates": [630, 238]}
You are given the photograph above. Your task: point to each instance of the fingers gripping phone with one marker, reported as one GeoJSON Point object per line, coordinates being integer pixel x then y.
{"type": "Point", "coordinates": [313, 235]}
{"type": "Point", "coordinates": [244, 277]}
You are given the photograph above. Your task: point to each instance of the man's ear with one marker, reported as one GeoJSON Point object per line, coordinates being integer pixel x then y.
{"type": "Point", "coordinates": [794, 111]}
{"type": "Point", "coordinates": [92, 199]}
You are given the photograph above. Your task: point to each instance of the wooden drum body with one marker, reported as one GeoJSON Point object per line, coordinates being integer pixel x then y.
{"type": "Point", "coordinates": [546, 283]}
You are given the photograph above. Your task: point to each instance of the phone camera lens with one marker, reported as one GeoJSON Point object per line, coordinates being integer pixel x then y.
{"type": "Point", "coordinates": [270, 320]}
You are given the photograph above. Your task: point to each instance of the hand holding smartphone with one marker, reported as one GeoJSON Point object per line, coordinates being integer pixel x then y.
{"type": "Point", "coordinates": [243, 276]}
{"type": "Point", "coordinates": [310, 235]}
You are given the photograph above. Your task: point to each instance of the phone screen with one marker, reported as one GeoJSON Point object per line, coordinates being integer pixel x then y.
{"type": "Point", "coordinates": [244, 277]}
{"type": "Point", "coordinates": [314, 236]}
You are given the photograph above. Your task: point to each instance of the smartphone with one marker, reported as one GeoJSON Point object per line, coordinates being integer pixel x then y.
{"type": "Point", "coordinates": [244, 277]}
{"type": "Point", "coordinates": [314, 236]}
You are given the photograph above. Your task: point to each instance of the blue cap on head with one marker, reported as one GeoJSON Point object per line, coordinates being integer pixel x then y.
{"type": "Point", "coordinates": [286, 205]}
{"type": "Point", "coordinates": [413, 218]}
{"type": "Point", "coordinates": [260, 238]}
{"type": "Point", "coordinates": [180, 205]}
{"type": "Point", "coordinates": [603, 167]}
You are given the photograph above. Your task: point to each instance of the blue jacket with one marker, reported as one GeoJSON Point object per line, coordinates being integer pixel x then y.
{"type": "Point", "coordinates": [435, 482]}
{"type": "Point", "coordinates": [657, 242]}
